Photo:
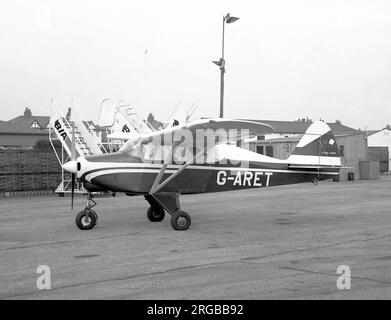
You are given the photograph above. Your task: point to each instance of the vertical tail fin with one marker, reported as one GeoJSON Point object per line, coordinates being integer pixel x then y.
{"type": "Point", "coordinates": [317, 147]}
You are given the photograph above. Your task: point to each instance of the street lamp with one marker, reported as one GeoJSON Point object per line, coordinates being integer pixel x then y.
{"type": "Point", "coordinates": [221, 63]}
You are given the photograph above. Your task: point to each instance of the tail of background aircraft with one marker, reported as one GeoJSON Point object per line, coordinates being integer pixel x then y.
{"type": "Point", "coordinates": [317, 147]}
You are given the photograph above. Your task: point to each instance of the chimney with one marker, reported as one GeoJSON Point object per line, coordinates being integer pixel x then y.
{"type": "Point", "coordinates": [27, 112]}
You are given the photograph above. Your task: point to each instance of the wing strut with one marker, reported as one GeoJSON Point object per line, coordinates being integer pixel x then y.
{"type": "Point", "coordinates": [157, 185]}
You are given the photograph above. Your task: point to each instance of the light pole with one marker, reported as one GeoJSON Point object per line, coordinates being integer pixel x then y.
{"type": "Point", "coordinates": [221, 63]}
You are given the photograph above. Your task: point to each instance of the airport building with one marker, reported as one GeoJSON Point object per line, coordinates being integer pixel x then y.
{"type": "Point", "coordinates": [379, 148]}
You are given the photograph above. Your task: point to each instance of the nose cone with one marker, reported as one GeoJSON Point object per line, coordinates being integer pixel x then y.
{"type": "Point", "coordinates": [70, 166]}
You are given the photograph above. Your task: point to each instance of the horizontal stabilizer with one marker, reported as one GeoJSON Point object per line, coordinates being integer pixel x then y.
{"type": "Point", "coordinates": [315, 167]}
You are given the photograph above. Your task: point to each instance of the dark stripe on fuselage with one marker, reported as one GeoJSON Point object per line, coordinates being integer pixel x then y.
{"type": "Point", "coordinates": [206, 180]}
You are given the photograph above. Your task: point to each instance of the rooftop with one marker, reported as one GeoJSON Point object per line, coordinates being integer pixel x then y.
{"type": "Point", "coordinates": [370, 132]}
{"type": "Point", "coordinates": [25, 124]}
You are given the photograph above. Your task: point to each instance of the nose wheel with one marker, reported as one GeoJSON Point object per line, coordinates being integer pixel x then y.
{"type": "Point", "coordinates": [87, 219]}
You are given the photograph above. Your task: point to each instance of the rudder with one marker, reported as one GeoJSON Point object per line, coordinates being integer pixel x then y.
{"type": "Point", "coordinates": [318, 146]}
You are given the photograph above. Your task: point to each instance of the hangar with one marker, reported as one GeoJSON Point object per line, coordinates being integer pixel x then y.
{"type": "Point", "coordinates": [379, 147]}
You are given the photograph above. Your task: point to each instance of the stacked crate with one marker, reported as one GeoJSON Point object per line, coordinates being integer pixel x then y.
{"type": "Point", "coordinates": [28, 170]}
{"type": "Point", "coordinates": [9, 163]}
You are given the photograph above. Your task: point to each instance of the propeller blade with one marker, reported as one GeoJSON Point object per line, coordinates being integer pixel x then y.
{"type": "Point", "coordinates": [73, 189]}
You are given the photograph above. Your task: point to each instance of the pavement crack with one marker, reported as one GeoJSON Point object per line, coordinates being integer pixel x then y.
{"type": "Point", "coordinates": [126, 278]}
{"type": "Point", "coordinates": [312, 248]}
{"type": "Point", "coordinates": [49, 244]}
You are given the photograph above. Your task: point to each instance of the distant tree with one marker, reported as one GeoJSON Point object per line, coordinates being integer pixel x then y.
{"type": "Point", "coordinates": [154, 123]}
{"type": "Point", "coordinates": [150, 117]}
{"type": "Point", "coordinates": [44, 145]}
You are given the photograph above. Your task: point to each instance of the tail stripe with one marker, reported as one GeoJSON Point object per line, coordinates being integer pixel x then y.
{"type": "Point", "coordinates": [317, 147]}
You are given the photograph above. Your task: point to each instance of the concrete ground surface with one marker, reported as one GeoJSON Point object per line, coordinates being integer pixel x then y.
{"type": "Point", "coordinates": [272, 243]}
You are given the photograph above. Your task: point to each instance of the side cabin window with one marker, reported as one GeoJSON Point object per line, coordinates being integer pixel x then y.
{"type": "Point", "coordinates": [260, 149]}
{"type": "Point", "coordinates": [269, 151]}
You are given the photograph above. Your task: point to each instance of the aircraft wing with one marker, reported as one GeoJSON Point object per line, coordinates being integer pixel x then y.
{"type": "Point", "coordinates": [254, 128]}
{"type": "Point", "coordinates": [242, 127]}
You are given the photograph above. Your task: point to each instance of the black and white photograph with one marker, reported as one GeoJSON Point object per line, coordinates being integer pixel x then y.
{"type": "Point", "coordinates": [214, 152]}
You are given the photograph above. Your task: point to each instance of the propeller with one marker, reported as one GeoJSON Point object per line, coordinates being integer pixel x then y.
{"type": "Point", "coordinates": [73, 159]}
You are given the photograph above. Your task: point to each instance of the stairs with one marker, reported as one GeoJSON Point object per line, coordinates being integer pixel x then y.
{"type": "Point", "coordinates": [87, 143]}
{"type": "Point", "coordinates": [79, 140]}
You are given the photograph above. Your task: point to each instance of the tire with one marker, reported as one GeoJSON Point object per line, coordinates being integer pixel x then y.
{"type": "Point", "coordinates": [82, 222]}
{"type": "Point", "coordinates": [155, 214]}
{"type": "Point", "coordinates": [180, 220]}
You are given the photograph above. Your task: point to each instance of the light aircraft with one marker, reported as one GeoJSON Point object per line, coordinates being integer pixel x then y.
{"type": "Point", "coordinates": [161, 169]}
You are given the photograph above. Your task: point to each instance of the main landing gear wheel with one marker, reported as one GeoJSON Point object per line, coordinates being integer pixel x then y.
{"type": "Point", "coordinates": [155, 214]}
{"type": "Point", "coordinates": [180, 220]}
{"type": "Point", "coordinates": [86, 221]}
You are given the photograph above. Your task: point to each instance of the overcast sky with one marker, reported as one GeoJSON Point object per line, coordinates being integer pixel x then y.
{"type": "Point", "coordinates": [285, 59]}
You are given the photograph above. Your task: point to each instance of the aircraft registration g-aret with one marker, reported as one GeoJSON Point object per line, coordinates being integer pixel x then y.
{"type": "Point", "coordinates": [162, 169]}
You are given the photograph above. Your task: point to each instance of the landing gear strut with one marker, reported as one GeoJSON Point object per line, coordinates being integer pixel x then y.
{"type": "Point", "coordinates": [164, 201]}
{"type": "Point", "coordinates": [87, 219]}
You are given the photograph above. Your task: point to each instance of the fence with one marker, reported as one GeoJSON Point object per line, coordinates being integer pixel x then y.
{"type": "Point", "coordinates": [28, 170]}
